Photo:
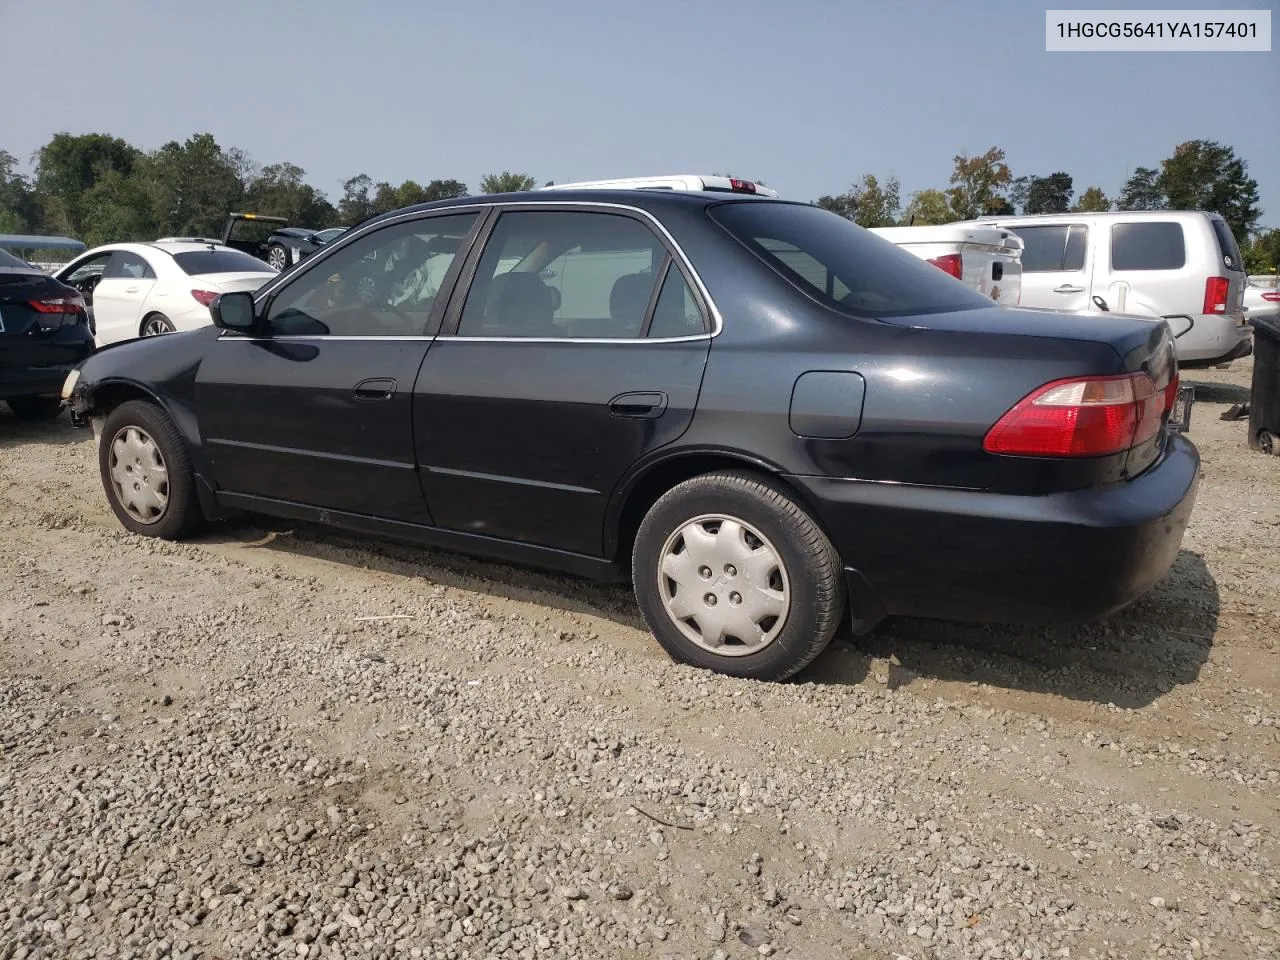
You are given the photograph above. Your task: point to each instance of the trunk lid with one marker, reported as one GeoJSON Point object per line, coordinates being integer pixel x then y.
{"type": "Point", "coordinates": [234, 282]}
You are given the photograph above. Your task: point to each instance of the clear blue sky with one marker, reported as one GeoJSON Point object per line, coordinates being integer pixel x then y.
{"type": "Point", "coordinates": [804, 94]}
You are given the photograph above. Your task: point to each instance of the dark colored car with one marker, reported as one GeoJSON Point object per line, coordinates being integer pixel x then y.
{"type": "Point", "coordinates": [288, 245]}
{"type": "Point", "coordinates": [44, 333]}
{"type": "Point", "coordinates": [760, 413]}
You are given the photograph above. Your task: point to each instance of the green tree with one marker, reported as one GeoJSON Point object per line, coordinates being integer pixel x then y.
{"type": "Point", "coordinates": [1019, 187]}
{"type": "Point", "coordinates": [192, 186]}
{"type": "Point", "coordinates": [116, 210]}
{"type": "Point", "coordinates": [1262, 253]}
{"type": "Point", "coordinates": [19, 210]}
{"type": "Point", "coordinates": [445, 190]}
{"type": "Point", "coordinates": [928, 207]}
{"type": "Point", "coordinates": [1093, 200]}
{"type": "Point", "coordinates": [978, 184]}
{"type": "Point", "coordinates": [67, 166]}
{"type": "Point", "coordinates": [355, 204]}
{"type": "Point", "coordinates": [507, 182]}
{"type": "Point", "coordinates": [867, 202]}
{"type": "Point", "coordinates": [1140, 191]}
{"type": "Point", "coordinates": [1207, 175]}
{"type": "Point", "coordinates": [280, 191]}
{"type": "Point", "coordinates": [1051, 194]}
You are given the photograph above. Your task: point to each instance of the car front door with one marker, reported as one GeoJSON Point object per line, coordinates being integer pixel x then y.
{"type": "Point", "coordinates": [85, 275]}
{"type": "Point", "coordinates": [578, 347]}
{"type": "Point", "coordinates": [1057, 265]}
{"type": "Point", "coordinates": [316, 408]}
{"type": "Point", "coordinates": [118, 297]}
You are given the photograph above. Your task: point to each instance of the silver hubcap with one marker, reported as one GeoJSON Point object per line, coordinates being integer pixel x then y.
{"type": "Point", "coordinates": [724, 585]}
{"type": "Point", "coordinates": [154, 327]}
{"type": "Point", "coordinates": [278, 259]}
{"type": "Point", "coordinates": [139, 475]}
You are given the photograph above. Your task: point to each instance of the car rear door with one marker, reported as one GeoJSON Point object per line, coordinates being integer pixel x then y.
{"type": "Point", "coordinates": [575, 344]}
{"type": "Point", "coordinates": [1057, 265]}
{"type": "Point", "coordinates": [317, 410]}
{"type": "Point", "coordinates": [118, 297]}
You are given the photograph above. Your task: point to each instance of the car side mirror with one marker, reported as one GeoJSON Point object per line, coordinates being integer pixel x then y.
{"type": "Point", "coordinates": [233, 311]}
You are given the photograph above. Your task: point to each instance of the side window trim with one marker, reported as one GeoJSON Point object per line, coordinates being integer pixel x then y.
{"type": "Point", "coordinates": [458, 295]}
{"type": "Point", "coordinates": [654, 294]}
{"type": "Point", "coordinates": [448, 282]}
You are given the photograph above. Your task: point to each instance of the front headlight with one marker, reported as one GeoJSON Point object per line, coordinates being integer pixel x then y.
{"type": "Point", "coordinates": [69, 384]}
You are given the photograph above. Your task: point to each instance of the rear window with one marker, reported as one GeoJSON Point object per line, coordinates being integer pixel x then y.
{"type": "Point", "coordinates": [1058, 248]}
{"type": "Point", "coordinates": [840, 264]}
{"type": "Point", "coordinates": [199, 262]}
{"type": "Point", "coordinates": [1228, 249]}
{"type": "Point", "coordinates": [9, 262]}
{"type": "Point", "coordinates": [1147, 246]}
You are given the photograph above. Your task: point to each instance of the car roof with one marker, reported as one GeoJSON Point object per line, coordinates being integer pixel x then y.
{"type": "Point", "coordinates": [1119, 215]}
{"type": "Point", "coordinates": [648, 200]}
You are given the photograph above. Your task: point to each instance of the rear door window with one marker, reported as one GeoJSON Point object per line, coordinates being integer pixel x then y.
{"type": "Point", "coordinates": [1228, 249]}
{"type": "Point", "coordinates": [128, 266]}
{"type": "Point", "coordinates": [1053, 248]}
{"type": "Point", "coordinates": [841, 265]}
{"type": "Point", "coordinates": [1154, 245]}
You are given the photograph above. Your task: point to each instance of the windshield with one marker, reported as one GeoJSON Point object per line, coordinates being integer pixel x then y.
{"type": "Point", "coordinates": [199, 262]}
{"type": "Point", "coordinates": [842, 265]}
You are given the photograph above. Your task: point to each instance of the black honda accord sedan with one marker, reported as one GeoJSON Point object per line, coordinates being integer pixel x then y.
{"type": "Point", "coordinates": [764, 416]}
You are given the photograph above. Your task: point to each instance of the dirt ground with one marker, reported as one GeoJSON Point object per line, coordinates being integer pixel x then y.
{"type": "Point", "coordinates": [278, 741]}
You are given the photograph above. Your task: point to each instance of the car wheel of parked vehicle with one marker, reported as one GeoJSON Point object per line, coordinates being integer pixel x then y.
{"type": "Point", "coordinates": [278, 256]}
{"type": "Point", "coordinates": [1267, 442]}
{"type": "Point", "coordinates": [35, 408]}
{"type": "Point", "coordinates": [147, 473]}
{"type": "Point", "coordinates": [733, 576]}
{"type": "Point", "coordinates": [154, 325]}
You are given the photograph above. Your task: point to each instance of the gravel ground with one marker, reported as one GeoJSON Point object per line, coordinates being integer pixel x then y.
{"type": "Point", "coordinates": [276, 741]}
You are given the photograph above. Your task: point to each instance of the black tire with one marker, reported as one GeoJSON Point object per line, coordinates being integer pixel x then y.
{"type": "Point", "coordinates": [35, 408]}
{"type": "Point", "coordinates": [809, 562]}
{"type": "Point", "coordinates": [155, 325]}
{"type": "Point", "coordinates": [181, 516]}
{"type": "Point", "coordinates": [1267, 442]}
{"type": "Point", "coordinates": [278, 256]}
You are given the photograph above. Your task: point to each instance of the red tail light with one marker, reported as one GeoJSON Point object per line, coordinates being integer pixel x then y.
{"type": "Point", "coordinates": [951, 263]}
{"type": "Point", "coordinates": [1215, 295]}
{"type": "Point", "coordinates": [205, 296]}
{"type": "Point", "coordinates": [1082, 417]}
{"type": "Point", "coordinates": [1272, 296]}
{"type": "Point", "coordinates": [57, 305]}
{"type": "Point", "coordinates": [741, 186]}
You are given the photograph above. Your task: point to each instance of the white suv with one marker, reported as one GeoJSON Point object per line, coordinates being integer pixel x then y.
{"type": "Point", "coordinates": [1182, 265]}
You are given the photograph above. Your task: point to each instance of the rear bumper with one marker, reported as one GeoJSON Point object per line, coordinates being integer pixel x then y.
{"type": "Point", "coordinates": [966, 555]}
{"type": "Point", "coordinates": [38, 368]}
{"type": "Point", "coordinates": [1213, 338]}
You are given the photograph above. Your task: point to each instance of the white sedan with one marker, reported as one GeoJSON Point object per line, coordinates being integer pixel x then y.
{"type": "Point", "coordinates": [1261, 298]}
{"type": "Point", "coordinates": [145, 289]}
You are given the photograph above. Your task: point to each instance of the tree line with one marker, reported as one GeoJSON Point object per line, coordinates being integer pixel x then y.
{"type": "Point", "coordinates": [101, 189]}
{"type": "Point", "coordinates": [1199, 175]}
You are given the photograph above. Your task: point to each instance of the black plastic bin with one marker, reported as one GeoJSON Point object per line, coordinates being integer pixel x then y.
{"type": "Point", "coordinates": [1264, 395]}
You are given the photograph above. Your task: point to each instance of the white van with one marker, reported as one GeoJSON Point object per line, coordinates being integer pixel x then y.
{"type": "Point", "coordinates": [1182, 265]}
{"type": "Point", "coordinates": [987, 258]}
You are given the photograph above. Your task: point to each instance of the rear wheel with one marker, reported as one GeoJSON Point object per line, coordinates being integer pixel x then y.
{"type": "Point", "coordinates": [278, 256]}
{"type": "Point", "coordinates": [35, 408]}
{"type": "Point", "coordinates": [146, 472]}
{"type": "Point", "coordinates": [732, 575]}
{"type": "Point", "coordinates": [154, 325]}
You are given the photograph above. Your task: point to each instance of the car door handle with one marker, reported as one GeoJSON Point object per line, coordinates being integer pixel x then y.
{"type": "Point", "coordinates": [1068, 288]}
{"type": "Point", "coordinates": [638, 406]}
{"type": "Point", "coordinates": [130, 289]}
{"type": "Point", "coordinates": [377, 389]}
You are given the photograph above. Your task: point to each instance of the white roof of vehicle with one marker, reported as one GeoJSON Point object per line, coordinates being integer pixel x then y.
{"type": "Point", "coordinates": [1014, 219]}
{"type": "Point", "coordinates": [678, 181]}
{"type": "Point", "coordinates": [987, 234]}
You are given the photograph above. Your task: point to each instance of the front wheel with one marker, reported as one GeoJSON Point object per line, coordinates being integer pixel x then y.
{"type": "Point", "coordinates": [732, 575]}
{"type": "Point", "coordinates": [147, 474]}
{"type": "Point", "coordinates": [35, 408]}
